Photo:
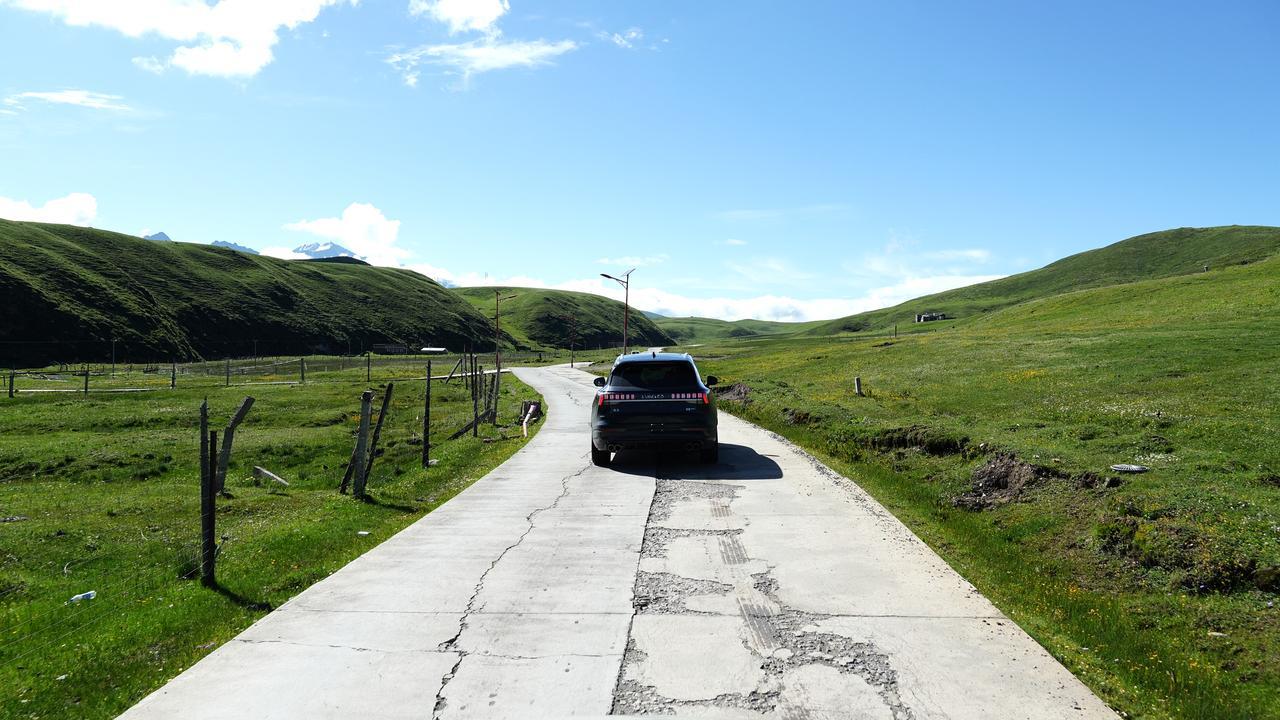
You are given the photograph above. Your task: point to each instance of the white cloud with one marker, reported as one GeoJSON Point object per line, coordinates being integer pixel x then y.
{"type": "Point", "coordinates": [462, 15]}
{"type": "Point", "coordinates": [467, 59]}
{"type": "Point", "coordinates": [81, 98]}
{"type": "Point", "coordinates": [152, 65]}
{"type": "Point", "coordinates": [73, 209]}
{"type": "Point", "coordinates": [363, 229]}
{"type": "Point", "coordinates": [635, 260]}
{"type": "Point", "coordinates": [231, 38]}
{"type": "Point", "coordinates": [734, 242]}
{"type": "Point", "coordinates": [478, 56]}
{"type": "Point", "coordinates": [626, 39]}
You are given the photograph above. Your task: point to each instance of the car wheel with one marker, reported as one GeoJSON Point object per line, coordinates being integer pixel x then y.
{"type": "Point", "coordinates": [711, 454]}
{"type": "Point", "coordinates": [599, 457]}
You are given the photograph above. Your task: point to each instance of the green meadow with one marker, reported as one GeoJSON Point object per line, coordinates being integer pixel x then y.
{"type": "Point", "coordinates": [101, 493]}
{"type": "Point", "coordinates": [1159, 589]}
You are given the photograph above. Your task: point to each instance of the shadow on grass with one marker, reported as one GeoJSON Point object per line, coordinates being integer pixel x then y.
{"type": "Point", "coordinates": [240, 600]}
{"type": "Point", "coordinates": [407, 509]}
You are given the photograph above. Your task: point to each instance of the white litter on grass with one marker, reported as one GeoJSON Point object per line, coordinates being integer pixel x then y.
{"type": "Point", "coordinates": [1126, 468]}
{"type": "Point", "coordinates": [362, 532]}
{"type": "Point", "coordinates": [84, 596]}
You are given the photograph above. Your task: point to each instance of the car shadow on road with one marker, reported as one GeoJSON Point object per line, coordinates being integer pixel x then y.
{"type": "Point", "coordinates": [737, 462]}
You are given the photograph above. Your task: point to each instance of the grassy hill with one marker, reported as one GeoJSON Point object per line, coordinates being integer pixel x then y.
{"type": "Point", "coordinates": [1146, 257]}
{"type": "Point", "coordinates": [535, 317]}
{"type": "Point", "coordinates": [993, 441]}
{"type": "Point", "coordinates": [75, 289]}
{"type": "Point", "coordinates": [687, 330]}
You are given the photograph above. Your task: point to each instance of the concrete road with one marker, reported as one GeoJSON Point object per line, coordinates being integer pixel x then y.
{"type": "Point", "coordinates": [761, 587]}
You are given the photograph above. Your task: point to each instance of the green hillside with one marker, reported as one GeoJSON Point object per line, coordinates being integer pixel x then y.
{"type": "Point", "coordinates": [535, 318]}
{"type": "Point", "coordinates": [1146, 257]}
{"type": "Point", "coordinates": [70, 290]}
{"type": "Point", "coordinates": [686, 330]}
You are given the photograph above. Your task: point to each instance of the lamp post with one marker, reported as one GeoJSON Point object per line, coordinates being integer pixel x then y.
{"type": "Point", "coordinates": [625, 282]}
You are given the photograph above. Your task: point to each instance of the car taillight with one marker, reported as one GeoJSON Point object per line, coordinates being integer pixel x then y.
{"type": "Point", "coordinates": [602, 398]}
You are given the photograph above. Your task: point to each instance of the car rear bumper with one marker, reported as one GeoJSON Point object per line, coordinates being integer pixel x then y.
{"type": "Point", "coordinates": [630, 438]}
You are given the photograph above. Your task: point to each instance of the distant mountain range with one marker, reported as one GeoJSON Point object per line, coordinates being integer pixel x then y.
{"type": "Point", "coordinates": [234, 246]}
{"type": "Point", "coordinates": [158, 237]}
{"type": "Point", "coordinates": [323, 250]}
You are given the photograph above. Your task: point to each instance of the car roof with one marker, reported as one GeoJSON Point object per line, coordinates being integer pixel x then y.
{"type": "Point", "coordinates": [651, 356]}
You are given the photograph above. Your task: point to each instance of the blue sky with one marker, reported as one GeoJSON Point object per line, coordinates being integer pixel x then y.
{"type": "Point", "coordinates": [754, 159]}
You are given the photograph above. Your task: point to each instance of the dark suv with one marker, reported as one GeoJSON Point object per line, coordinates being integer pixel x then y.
{"type": "Point", "coordinates": [654, 400]}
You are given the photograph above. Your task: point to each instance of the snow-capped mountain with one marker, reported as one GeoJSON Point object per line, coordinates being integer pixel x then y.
{"type": "Point", "coordinates": [234, 246]}
{"type": "Point", "coordinates": [323, 250]}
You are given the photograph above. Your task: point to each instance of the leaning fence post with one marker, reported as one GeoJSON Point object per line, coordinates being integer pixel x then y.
{"type": "Point", "coordinates": [208, 544]}
{"type": "Point", "coordinates": [426, 422]}
{"type": "Point", "coordinates": [377, 430]}
{"type": "Point", "coordinates": [366, 410]}
{"type": "Point", "coordinates": [228, 437]}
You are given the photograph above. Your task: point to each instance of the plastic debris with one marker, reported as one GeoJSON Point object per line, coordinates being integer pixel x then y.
{"type": "Point", "coordinates": [1127, 468]}
{"type": "Point", "coordinates": [84, 596]}
{"type": "Point", "coordinates": [362, 532]}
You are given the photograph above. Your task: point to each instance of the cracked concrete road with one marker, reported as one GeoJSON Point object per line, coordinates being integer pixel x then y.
{"type": "Point", "coordinates": [762, 587]}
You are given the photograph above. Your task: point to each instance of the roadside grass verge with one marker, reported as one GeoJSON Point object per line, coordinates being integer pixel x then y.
{"type": "Point", "coordinates": [102, 493]}
{"type": "Point", "coordinates": [1158, 590]}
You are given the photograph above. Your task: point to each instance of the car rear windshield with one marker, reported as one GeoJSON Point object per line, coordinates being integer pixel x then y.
{"type": "Point", "coordinates": [654, 376]}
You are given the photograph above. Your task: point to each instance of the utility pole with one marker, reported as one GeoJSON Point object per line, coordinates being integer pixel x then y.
{"type": "Point", "coordinates": [573, 333]}
{"type": "Point", "coordinates": [625, 282]}
{"type": "Point", "coordinates": [497, 350]}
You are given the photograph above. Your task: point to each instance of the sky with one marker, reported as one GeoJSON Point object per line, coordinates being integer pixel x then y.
{"type": "Point", "coordinates": [781, 161]}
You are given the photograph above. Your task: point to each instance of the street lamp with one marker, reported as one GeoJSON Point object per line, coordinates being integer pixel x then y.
{"type": "Point", "coordinates": [625, 282]}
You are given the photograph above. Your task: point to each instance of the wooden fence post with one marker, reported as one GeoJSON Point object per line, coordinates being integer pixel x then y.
{"type": "Point", "coordinates": [475, 405]}
{"type": "Point", "coordinates": [857, 386]}
{"type": "Point", "coordinates": [366, 410]}
{"type": "Point", "coordinates": [426, 422]}
{"type": "Point", "coordinates": [377, 430]}
{"type": "Point", "coordinates": [86, 380]}
{"type": "Point", "coordinates": [302, 369]}
{"type": "Point", "coordinates": [228, 372]}
{"type": "Point", "coordinates": [208, 542]}
{"type": "Point", "coordinates": [173, 376]}
{"type": "Point", "coordinates": [368, 368]}
{"type": "Point", "coordinates": [228, 437]}
{"type": "Point", "coordinates": [11, 376]}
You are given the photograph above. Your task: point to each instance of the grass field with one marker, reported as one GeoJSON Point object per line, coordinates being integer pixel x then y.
{"type": "Point", "coordinates": [101, 493]}
{"type": "Point", "coordinates": [1159, 590]}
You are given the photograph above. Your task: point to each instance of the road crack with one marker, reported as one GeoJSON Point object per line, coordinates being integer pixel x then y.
{"type": "Point", "coordinates": [451, 645]}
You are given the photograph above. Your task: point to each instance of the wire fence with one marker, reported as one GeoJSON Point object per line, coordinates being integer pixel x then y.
{"type": "Point", "coordinates": [98, 578]}
{"type": "Point", "coordinates": [89, 378]}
